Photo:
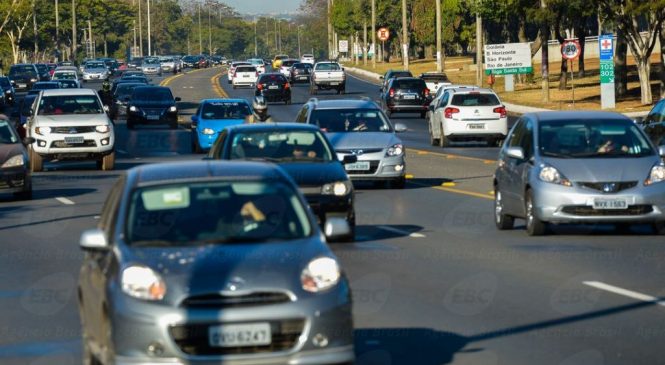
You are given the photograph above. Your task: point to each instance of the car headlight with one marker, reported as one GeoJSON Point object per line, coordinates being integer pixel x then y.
{"type": "Point", "coordinates": [43, 130]}
{"type": "Point", "coordinates": [208, 131]}
{"type": "Point", "coordinates": [143, 283]}
{"type": "Point", "coordinates": [8, 91]}
{"type": "Point", "coordinates": [33, 80]}
{"type": "Point", "coordinates": [15, 161]}
{"type": "Point", "coordinates": [320, 274]}
{"type": "Point", "coordinates": [102, 128]}
{"type": "Point", "coordinates": [550, 174]}
{"type": "Point", "coordinates": [656, 175]}
{"type": "Point", "coordinates": [395, 150]}
{"type": "Point", "coordinates": [133, 109]}
{"type": "Point", "coordinates": [338, 188]}
{"type": "Point", "coordinates": [173, 109]}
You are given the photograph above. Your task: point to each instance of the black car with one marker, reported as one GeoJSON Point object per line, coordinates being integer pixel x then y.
{"type": "Point", "coordinates": [44, 71]}
{"type": "Point", "coordinates": [274, 87]}
{"type": "Point", "coordinates": [15, 172]}
{"type": "Point", "coordinates": [135, 63]}
{"type": "Point", "coordinates": [122, 92]}
{"type": "Point", "coordinates": [43, 85]}
{"type": "Point", "coordinates": [405, 95]}
{"type": "Point", "coordinates": [23, 75]}
{"type": "Point", "coordinates": [7, 90]}
{"type": "Point", "coordinates": [189, 61]}
{"type": "Point", "coordinates": [152, 105]}
{"type": "Point", "coordinates": [129, 80]}
{"type": "Point", "coordinates": [305, 153]}
{"type": "Point", "coordinates": [390, 74]}
{"type": "Point", "coordinates": [300, 72]}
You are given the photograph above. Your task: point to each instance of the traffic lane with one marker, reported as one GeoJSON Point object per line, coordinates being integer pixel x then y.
{"type": "Point", "coordinates": [451, 282]}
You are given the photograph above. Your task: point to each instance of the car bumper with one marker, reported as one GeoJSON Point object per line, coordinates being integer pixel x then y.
{"type": "Point", "coordinates": [92, 77]}
{"type": "Point", "coordinates": [244, 82]}
{"type": "Point", "coordinates": [152, 72]}
{"type": "Point", "coordinates": [380, 167]}
{"type": "Point", "coordinates": [138, 324]}
{"type": "Point", "coordinates": [143, 119]}
{"type": "Point", "coordinates": [490, 128]}
{"type": "Point", "coordinates": [325, 206]}
{"type": "Point", "coordinates": [330, 84]}
{"type": "Point", "coordinates": [54, 146]}
{"type": "Point", "coordinates": [560, 204]}
{"type": "Point", "coordinates": [281, 95]}
{"type": "Point", "coordinates": [13, 180]}
{"type": "Point", "coordinates": [408, 108]}
{"type": "Point", "coordinates": [205, 141]}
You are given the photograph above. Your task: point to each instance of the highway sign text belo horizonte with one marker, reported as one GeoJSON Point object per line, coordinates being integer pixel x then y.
{"type": "Point", "coordinates": [508, 59]}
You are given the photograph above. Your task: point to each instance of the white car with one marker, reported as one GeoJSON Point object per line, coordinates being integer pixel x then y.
{"type": "Point", "coordinates": [435, 80]}
{"type": "Point", "coordinates": [468, 114]}
{"type": "Point", "coordinates": [439, 94]}
{"type": "Point", "coordinates": [307, 58]}
{"type": "Point", "coordinates": [258, 63]}
{"type": "Point", "coordinates": [232, 69]}
{"type": "Point", "coordinates": [285, 67]}
{"type": "Point", "coordinates": [71, 124]}
{"type": "Point", "coordinates": [167, 64]}
{"type": "Point", "coordinates": [245, 75]}
{"type": "Point", "coordinates": [94, 71]}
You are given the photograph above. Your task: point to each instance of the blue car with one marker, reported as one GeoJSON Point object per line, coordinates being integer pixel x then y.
{"type": "Point", "coordinates": [212, 116]}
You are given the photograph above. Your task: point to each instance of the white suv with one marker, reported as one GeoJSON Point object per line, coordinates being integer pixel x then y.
{"type": "Point", "coordinates": [71, 124]}
{"type": "Point", "coordinates": [245, 75]}
{"type": "Point", "coordinates": [307, 58]}
{"type": "Point", "coordinates": [463, 114]}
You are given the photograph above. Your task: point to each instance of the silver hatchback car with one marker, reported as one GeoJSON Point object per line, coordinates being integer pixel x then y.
{"type": "Point", "coordinates": [579, 167]}
{"type": "Point", "coordinates": [209, 263]}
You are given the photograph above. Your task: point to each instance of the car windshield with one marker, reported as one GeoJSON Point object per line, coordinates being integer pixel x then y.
{"type": "Point", "coordinates": [475, 99]}
{"type": "Point", "coordinates": [273, 78]}
{"type": "Point", "coordinates": [68, 84]}
{"type": "Point", "coordinates": [124, 90]}
{"type": "Point", "coordinates": [434, 78]}
{"type": "Point", "coordinates": [400, 74]}
{"type": "Point", "coordinates": [350, 120]}
{"type": "Point", "coordinates": [95, 65]}
{"type": "Point", "coordinates": [328, 67]}
{"type": "Point", "coordinates": [64, 76]}
{"type": "Point", "coordinates": [281, 146]}
{"type": "Point", "coordinates": [7, 134]}
{"type": "Point", "coordinates": [45, 86]}
{"type": "Point", "coordinates": [27, 70]}
{"type": "Point", "coordinates": [592, 139]}
{"type": "Point", "coordinates": [225, 110]}
{"type": "Point", "coordinates": [41, 67]}
{"type": "Point", "coordinates": [69, 104]}
{"type": "Point", "coordinates": [152, 94]}
{"type": "Point", "coordinates": [26, 105]}
{"type": "Point", "coordinates": [215, 213]}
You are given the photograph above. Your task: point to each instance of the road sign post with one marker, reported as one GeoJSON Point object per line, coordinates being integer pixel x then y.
{"type": "Point", "coordinates": [570, 51]}
{"type": "Point", "coordinates": [383, 34]}
{"type": "Point", "coordinates": [607, 96]}
{"type": "Point", "coordinates": [507, 60]}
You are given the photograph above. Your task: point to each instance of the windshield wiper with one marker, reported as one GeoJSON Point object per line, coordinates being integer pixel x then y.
{"type": "Point", "coordinates": [153, 243]}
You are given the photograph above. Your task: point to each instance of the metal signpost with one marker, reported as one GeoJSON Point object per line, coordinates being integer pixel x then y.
{"type": "Point", "coordinates": [607, 96]}
{"type": "Point", "coordinates": [570, 50]}
{"type": "Point", "coordinates": [383, 34]}
{"type": "Point", "coordinates": [508, 59]}
{"type": "Point", "coordinates": [343, 46]}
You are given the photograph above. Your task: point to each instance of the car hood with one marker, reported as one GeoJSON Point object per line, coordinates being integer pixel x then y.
{"type": "Point", "coordinates": [8, 151]}
{"type": "Point", "coordinates": [72, 120]}
{"type": "Point", "coordinates": [604, 169]}
{"type": "Point", "coordinates": [315, 173]}
{"type": "Point", "coordinates": [208, 269]}
{"type": "Point", "coordinates": [94, 70]}
{"type": "Point", "coordinates": [366, 140]}
{"type": "Point", "coordinates": [218, 124]}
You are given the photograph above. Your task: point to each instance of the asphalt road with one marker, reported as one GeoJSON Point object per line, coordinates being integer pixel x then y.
{"type": "Point", "coordinates": [433, 281]}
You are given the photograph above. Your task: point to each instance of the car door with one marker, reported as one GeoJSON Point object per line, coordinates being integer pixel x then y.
{"type": "Point", "coordinates": [437, 115]}
{"type": "Point", "coordinates": [508, 171]}
{"type": "Point", "coordinates": [520, 169]}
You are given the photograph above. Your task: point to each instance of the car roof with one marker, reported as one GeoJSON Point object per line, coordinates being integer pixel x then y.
{"type": "Point", "coordinates": [191, 171]}
{"type": "Point", "coordinates": [59, 92]}
{"type": "Point", "coordinates": [466, 90]}
{"type": "Point", "coordinates": [575, 115]}
{"type": "Point", "coordinates": [224, 101]}
{"type": "Point", "coordinates": [153, 87]}
{"type": "Point", "coordinates": [343, 104]}
{"type": "Point", "coordinates": [273, 127]}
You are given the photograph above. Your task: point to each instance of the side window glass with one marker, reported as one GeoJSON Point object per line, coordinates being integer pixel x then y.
{"type": "Point", "coordinates": [527, 140]}
{"type": "Point", "coordinates": [516, 136]}
{"type": "Point", "coordinates": [109, 210]}
{"type": "Point", "coordinates": [444, 100]}
{"type": "Point", "coordinates": [218, 146]}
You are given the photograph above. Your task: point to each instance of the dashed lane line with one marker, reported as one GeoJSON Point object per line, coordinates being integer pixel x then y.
{"type": "Point", "coordinates": [402, 232]}
{"type": "Point", "coordinates": [625, 292]}
{"type": "Point", "coordinates": [64, 200]}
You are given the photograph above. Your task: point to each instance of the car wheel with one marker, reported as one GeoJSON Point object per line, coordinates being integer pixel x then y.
{"type": "Point", "coordinates": [36, 161]}
{"type": "Point", "coordinates": [534, 226]}
{"type": "Point", "coordinates": [26, 194]}
{"type": "Point", "coordinates": [659, 228]}
{"type": "Point", "coordinates": [399, 183]}
{"type": "Point", "coordinates": [432, 141]}
{"type": "Point", "coordinates": [443, 140]}
{"type": "Point", "coordinates": [107, 163]}
{"type": "Point", "coordinates": [423, 114]}
{"type": "Point", "coordinates": [195, 146]}
{"type": "Point", "coordinates": [503, 221]}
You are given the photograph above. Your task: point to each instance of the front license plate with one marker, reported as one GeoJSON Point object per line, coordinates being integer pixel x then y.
{"type": "Point", "coordinates": [273, 87]}
{"type": "Point", "coordinates": [409, 97]}
{"type": "Point", "coordinates": [334, 83]}
{"type": "Point", "coordinates": [239, 335]}
{"type": "Point", "coordinates": [302, 77]}
{"type": "Point", "coordinates": [153, 117]}
{"type": "Point", "coordinates": [22, 86]}
{"type": "Point", "coordinates": [477, 126]}
{"type": "Point", "coordinates": [603, 204]}
{"type": "Point", "coordinates": [357, 166]}
{"type": "Point", "coordinates": [74, 140]}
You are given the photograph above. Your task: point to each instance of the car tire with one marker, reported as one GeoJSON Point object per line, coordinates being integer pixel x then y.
{"type": "Point", "coordinates": [399, 183]}
{"type": "Point", "coordinates": [423, 115]}
{"type": "Point", "coordinates": [443, 140]}
{"type": "Point", "coordinates": [130, 125]}
{"type": "Point", "coordinates": [36, 161]}
{"type": "Point", "coordinates": [432, 141]}
{"type": "Point", "coordinates": [534, 226]}
{"type": "Point", "coordinates": [195, 146]}
{"type": "Point", "coordinates": [107, 163]}
{"type": "Point", "coordinates": [26, 194]}
{"type": "Point", "coordinates": [502, 221]}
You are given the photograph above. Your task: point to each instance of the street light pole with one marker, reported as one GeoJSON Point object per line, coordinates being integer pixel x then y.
{"type": "Point", "coordinates": [149, 37]}
{"type": "Point", "coordinates": [73, 30]}
{"type": "Point", "coordinates": [299, 53]}
{"type": "Point", "coordinates": [209, 33]}
{"type": "Point", "coordinates": [256, 43]}
{"type": "Point", "coordinates": [330, 32]}
{"type": "Point", "coordinates": [439, 58]}
{"type": "Point", "coordinates": [57, 29]}
{"type": "Point", "coordinates": [374, 33]}
{"type": "Point", "coordinates": [405, 38]}
{"type": "Point", "coordinates": [200, 36]}
{"type": "Point", "coordinates": [140, 30]}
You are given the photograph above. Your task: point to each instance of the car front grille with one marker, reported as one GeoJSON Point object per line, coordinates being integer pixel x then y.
{"type": "Point", "coordinates": [588, 211]}
{"type": "Point", "coordinates": [72, 130]}
{"type": "Point", "coordinates": [63, 144]}
{"type": "Point", "coordinates": [192, 339]}
{"type": "Point", "coordinates": [218, 300]}
{"type": "Point", "coordinates": [608, 187]}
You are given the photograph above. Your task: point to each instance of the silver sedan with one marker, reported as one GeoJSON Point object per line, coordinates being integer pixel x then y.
{"type": "Point", "coordinates": [579, 167]}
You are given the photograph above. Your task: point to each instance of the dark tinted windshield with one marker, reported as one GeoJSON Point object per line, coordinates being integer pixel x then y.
{"type": "Point", "coordinates": [475, 100]}
{"type": "Point", "coordinates": [328, 67]}
{"type": "Point", "coordinates": [45, 85]}
{"type": "Point", "coordinates": [92, 65]}
{"type": "Point", "coordinates": [288, 63]}
{"type": "Point", "coordinates": [152, 94]}
{"type": "Point", "coordinates": [411, 84]}
{"type": "Point", "coordinates": [68, 84]}
{"type": "Point", "coordinates": [215, 212]}
{"type": "Point", "coordinates": [41, 67]}
{"type": "Point", "coordinates": [26, 105]}
{"type": "Point", "coordinates": [246, 69]}
{"type": "Point", "coordinates": [125, 89]}
{"type": "Point", "coordinates": [400, 74]}
{"type": "Point", "coordinates": [280, 146]}
{"type": "Point", "coordinates": [434, 78]}
{"type": "Point", "coordinates": [64, 75]}
{"type": "Point", "coordinates": [225, 110]}
{"type": "Point", "coordinates": [350, 120]}
{"type": "Point", "coordinates": [69, 104]}
{"type": "Point", "coordinates": [272, 78]}
{"type": "Point", "coordinates": [592, 138]}
{"type": "Point", "coordinates": [7, 134]}
{"type": "Point", "coordinates": [22, 70]}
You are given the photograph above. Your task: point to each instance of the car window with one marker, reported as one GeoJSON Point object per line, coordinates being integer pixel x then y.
{"type": "Point", "coordinates": [7, 134]}
{"type": "Point", "coordinates": [281, 145]}
{"type": "Point", "coordinates": [302, 115]}
{"type": "Point", "coordinates": [350, 120]}
{"type": "Point", "coordinates": [26, 106]}
{"type": "Point", "coordinates": [69, 104]}
{"type": "Point", "coordinates": [142, 94]}
{"type": "Point", "coordinates": [215, 213]}
{"type": "Point", "coordinates": [656, 133]}
{"type": "Point", "coordinates": [444, 100]}
{"type": "Point", "coordinates": [4, 82]}
{"type": "Point", "coordinates": [328, 67]}
{"type": "Point", "coordinates": [526, 141]}
{"type": "Point", "coordinates": [416, 84]}
{"type": "Point", "coordinates": [272, 78]}
{"type": "Point", "coordinates": [225, 110]}
{"type": "Point", "coordinates": [246, 69]}
{"type": "Point", "coordinates": [475, 99]}
{"type": "Point", "coordinates": [515, 138]}
{"type": "Point", "coordinates": [657, 114]}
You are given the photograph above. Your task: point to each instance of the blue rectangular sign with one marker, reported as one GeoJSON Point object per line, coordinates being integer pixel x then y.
{"type": "Point", "coordinates": [606, 45]}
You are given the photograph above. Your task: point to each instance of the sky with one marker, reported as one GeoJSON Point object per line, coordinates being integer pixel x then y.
{"type": "Point", "coordinates": [263, 6]}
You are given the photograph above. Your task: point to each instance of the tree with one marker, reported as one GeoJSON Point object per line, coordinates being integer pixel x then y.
{"type": "Point", "coordinates": [16, 26]}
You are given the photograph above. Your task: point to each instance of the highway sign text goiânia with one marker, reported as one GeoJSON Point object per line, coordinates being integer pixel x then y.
{"type": "Point", "coordinates": [508, 59]}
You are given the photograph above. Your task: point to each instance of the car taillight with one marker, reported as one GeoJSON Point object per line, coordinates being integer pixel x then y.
{"type": "Point", "coordinates": [286, 86]}
{"type": "Point", "coordinates": [426, 92]}
{"type": "Point", "coordinates": [448, 112]}
{"type": "Point", "coordinates": [391, 92]}
{"type": "Point", "coordinates": [501, 110]}
{"type": "Point", "coordinates": [259, 86]}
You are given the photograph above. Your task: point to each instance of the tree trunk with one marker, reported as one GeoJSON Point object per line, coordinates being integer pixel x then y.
{"type": "Point", "coordinates": [563, 77]}
{"type": "Point", "coordinates": [662, 62]}
{"type": "Point", "coordinates": [621, 65]}
{"type": "Point", "coordinates": [106, 54]}
{"type": "Point", "coordinates": [581, 36]}
{"type": "Point", "coordinates": [643, 71]}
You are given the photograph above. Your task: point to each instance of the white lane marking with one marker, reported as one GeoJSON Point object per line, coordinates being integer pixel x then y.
{"type": "Point", "coordinates": [399, 231]}
{"type": "Point", "coordinates": [624, 292]}
{"type": "Point", "coordinates": [64, 200]}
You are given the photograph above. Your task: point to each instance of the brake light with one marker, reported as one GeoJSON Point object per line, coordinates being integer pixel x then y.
{"type": "Point", "coordinates": [448, 112]}
{"type": "Point", "coordinates": [391, 92]}
{"type": "Point", "coordinates": [259, 86]}
{"type": "Point", "coordinates": [426, 92]}
{"type": "Point", "coordinates": [286, 86]}
{"type": "Point", "coordinates": [501, 110]}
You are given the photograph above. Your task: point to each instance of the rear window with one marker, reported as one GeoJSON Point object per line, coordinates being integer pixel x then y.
{"type": "Point", "coordinates": [152, 94]}
{"type": "Point", "coordinates": [288, 63]}
{"type": "Point", "coordinates": [272, 78]}
{"type": "Point", "coordinates": [435, 78]}
{"type": "Point", "coordinates": [475, 100]}
{"type": "Point", "coordinates": [328, 67]}
{"type": "Point", "coordinates": [246, 69]}
{"type": "Point", "coordinates": [401, 74]}
{"type": "Point", "coordinates": [409, 84]}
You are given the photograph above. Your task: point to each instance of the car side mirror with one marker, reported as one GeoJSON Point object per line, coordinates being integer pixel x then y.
{"type": "Point", "coordinates": [515, 152]}
{"type": "Point", "coordinates": [28, 141]}
{"type": "Point", "coordinates": [178, 98]}
{"type": "Point", "coordinates": [106, 108]}
{"type": "Point", "coordinates": [93, 240]}
{"type": "Point", "coordinates": [336, 228]}
{"type": "Point", "coordinates": [431, 107]}
{"type": "Point", "coordinates": [349, 159]}
{"type": "Point", "coordinates": [640, 120]}
{"type": "Point", "coordinates": [399, 128]}
{"type": "Point", "coordinates": [661, 151]}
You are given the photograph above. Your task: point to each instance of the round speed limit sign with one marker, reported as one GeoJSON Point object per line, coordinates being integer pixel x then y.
{"type": "Point", "coordinates": [570, 50]}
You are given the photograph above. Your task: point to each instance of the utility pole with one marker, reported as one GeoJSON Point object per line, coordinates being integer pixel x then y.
{"type": "Point", "coordinates": [374, 33]}
{"type": "Point", "coordinates": [256, 43]}
{"type": "Point", "coordinates": [279, 33]}
{"type": "Point", "coordinates": [73, 30]}
{"type": "Point", "coordinates": [479, 47]}
{"type": "Point", "coordinates": [200, 39]}
{"type": "Point", "coordinates": [276, 49]}
{"type": "Point", "coordinates": [405, 38]}
{"type": "Point", "coordinates": [34, 30]}
{"type": "Point", "coordinates": [90, 39]}
{"type": "Point", "coordinates": [149, 31]}
{"type": "Point", "coordinates": [140, 30]}
{"type": "Point", "coordinates": [57, 30]}
{"type": "Point", "coordinates": [439, 56]}
{"type": "Point", "coordinates": [209, 33]}
{"type": "Point", "coordinates": [299, 53]}
{"type": "Point", "coordinates": [365, 41]}
{"type": "Point", "coordinates": [330, 31]}
{"type": "Point", "coordinates": [545, 60]}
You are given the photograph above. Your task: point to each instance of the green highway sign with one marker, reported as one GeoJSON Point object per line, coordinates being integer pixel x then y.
{"type": "Point", "coordinates": [509, 71]}
{"type": "Point", "coordinates": [606, 72]}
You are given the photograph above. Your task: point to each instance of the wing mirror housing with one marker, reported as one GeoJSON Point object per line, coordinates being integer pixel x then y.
{"type": "Point", "coordinates": [336, 228]}
{"type": "Point", "coordinates": [177, 98]}
{"type": "Point", "coordinates": [661, 151]}
{"type": "Point", "coordinates": [400, 128]}
{"type": "Point", "coordinates": [515, 152]}
{"type": "Point", "coordinates": [28, 141]}
{"type": "Point", "coordinates": [93, 240]}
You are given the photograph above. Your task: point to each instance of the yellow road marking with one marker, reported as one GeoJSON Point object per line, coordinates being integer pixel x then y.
{"type": "Point", "coordinates": [464, 192]}
{"type": "Point", "coordinates": [450, 156]}
{"type": "Point", "coordinates": [168, 80]}
{"type": "Point", "coordinates": [216, 86]}
{"type": "Point", "coordinates": [409, 176]}
{"type": "Point", "coordinates": [448, 184]}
